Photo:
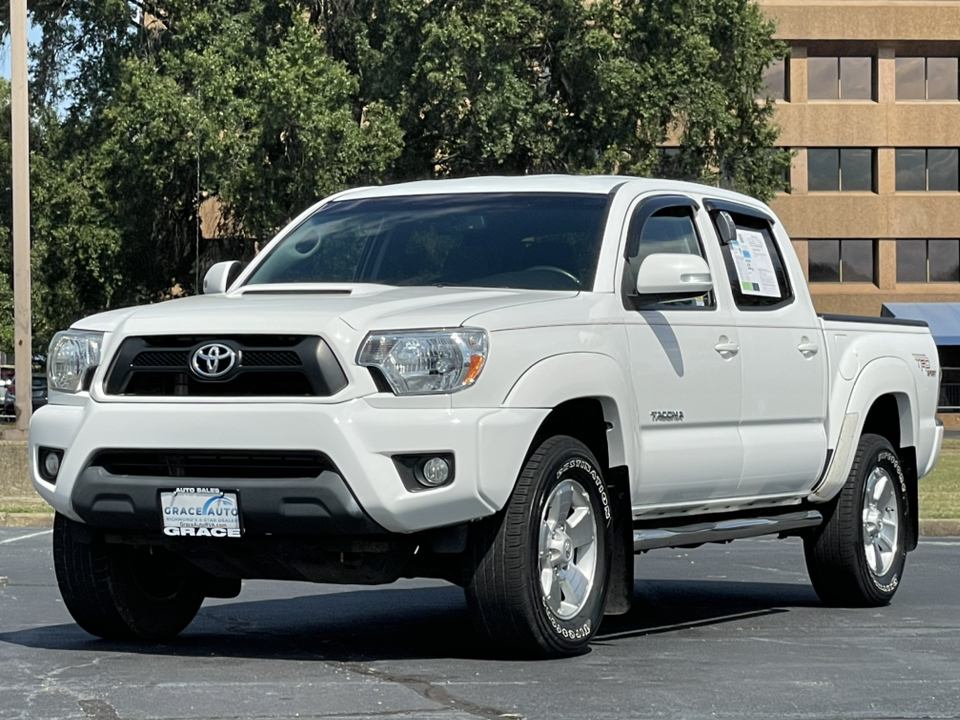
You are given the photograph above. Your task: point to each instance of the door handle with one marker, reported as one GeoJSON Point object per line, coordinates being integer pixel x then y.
{"type": "Point", "coordinates": [808, 349]}
{"type": "Point", "coordinates": [726, 349]}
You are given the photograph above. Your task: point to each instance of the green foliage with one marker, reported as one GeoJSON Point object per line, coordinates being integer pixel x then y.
{"type": "Point", "coordinates": [260, 107]}
{"type": "Point", "coordinates": [565, 85]}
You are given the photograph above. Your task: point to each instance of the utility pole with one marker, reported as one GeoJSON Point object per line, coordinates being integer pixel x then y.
{"type": "Point", "coordinates": [20, 140]}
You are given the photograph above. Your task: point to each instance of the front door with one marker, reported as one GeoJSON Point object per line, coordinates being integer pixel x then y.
{"type": "Point", "coordinates": [685, 366]}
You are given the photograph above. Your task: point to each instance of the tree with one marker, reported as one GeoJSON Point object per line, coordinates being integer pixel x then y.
{"type": "Point", "coordinates": [564, 85]}
{"type": "Point", "coordinates": [263, 106]}
{"type": "Point", "coordinates": [237, 101]}
{"type": "Point", "coordinates": [73, 252]}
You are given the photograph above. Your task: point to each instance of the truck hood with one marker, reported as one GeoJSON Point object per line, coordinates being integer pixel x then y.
{"type": "Point", "coordinates": [298, 309]}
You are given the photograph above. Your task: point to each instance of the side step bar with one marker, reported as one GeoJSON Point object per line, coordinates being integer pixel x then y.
{"type": "Point", "coordinates": [722, 530]}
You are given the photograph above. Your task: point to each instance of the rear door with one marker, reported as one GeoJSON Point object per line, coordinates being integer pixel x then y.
{"type": "Point", "coordinates": [784, 395]}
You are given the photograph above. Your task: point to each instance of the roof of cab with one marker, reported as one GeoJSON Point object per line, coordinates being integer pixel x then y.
{"type": "Point", "coordinates": [590, 184]}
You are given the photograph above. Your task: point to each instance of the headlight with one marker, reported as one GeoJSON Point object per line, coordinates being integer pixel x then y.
{"type": "Point", "coordinates": [71, 354]}
{"type": "Point", "coordinates": [426, 361]}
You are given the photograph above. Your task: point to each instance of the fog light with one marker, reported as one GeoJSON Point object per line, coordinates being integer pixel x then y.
{"type": "Point", "coordinates": [435, 472]}
{"type": "Point", "coordinates": [50, 463]}
{"type": "Point", "coordinates": [420, 472]}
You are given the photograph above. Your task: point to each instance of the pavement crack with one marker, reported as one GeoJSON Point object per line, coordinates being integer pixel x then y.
{"type": "Point", "coordinates": [429, 691]}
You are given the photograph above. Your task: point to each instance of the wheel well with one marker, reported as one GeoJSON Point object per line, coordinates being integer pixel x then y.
{"type": "Point", "coordinates": [581, 419]}
{"type": "Point", "coordinates": [884, 419]}
{"type": "Point", "coordinates": [584, 420]}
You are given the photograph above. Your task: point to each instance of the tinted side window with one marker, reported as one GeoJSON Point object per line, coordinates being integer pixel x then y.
{"type": "Point", "coordinates": [755, 267]}
{"type": "Point", "coordinates": [669, 230]}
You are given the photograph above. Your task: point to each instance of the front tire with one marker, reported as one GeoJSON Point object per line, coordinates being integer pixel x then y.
{"type": "Point", "coordinates": [856, 558]}
{"type": "Point", "coordinates": [121, 592]}
{"type": "Point", "coordinates": [539, 572]}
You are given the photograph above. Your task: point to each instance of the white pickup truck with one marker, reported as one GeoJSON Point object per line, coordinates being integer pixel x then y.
{"type": "Point", "coordinates": [514, 384]}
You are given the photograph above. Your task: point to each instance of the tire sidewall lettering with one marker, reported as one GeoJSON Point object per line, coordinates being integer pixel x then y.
{"type": "Point", "coordinates": [887, 461]}
{"type": "Point", "coordinates": [568, 633]}
{"type": "Point", "coordinates": [595, 477]}
{"type": "Point", "coordinates": [583, 625]}
{"type": "Point", "coordinates": [886, 456]}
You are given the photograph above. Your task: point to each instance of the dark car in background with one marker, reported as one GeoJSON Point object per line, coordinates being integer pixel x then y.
{"type": "Point", "coordinates": [6, 380]}
{"type": "Point", "coordinates": [38, 391]}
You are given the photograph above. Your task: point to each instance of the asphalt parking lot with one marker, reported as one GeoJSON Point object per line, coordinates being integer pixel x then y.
{"type": "Point", "coordinates": [731, 631]}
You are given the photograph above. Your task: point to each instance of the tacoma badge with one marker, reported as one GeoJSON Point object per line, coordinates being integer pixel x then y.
{"type": "Point", "coordinates": [667, 415]}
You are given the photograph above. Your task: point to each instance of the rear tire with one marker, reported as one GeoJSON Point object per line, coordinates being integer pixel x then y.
{"type": "Point", "coordinates": [122, 592]}
{"type": "Point", "coordinates": [856, 558]}
{"type": "Point", "coordinates": [539, 568]}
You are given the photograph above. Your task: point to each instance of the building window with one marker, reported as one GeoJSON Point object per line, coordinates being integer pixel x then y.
{"type": "Point", "coordinates": [840, 78]}
{"type": "Point", "coordinates": [775, 81]}
{"type": "Point", "coordinates": [921, 261]}
{"type": "Point", "coordinates": [840, 169]}
{"type": "Point", "coordinates": [672, 166]}
{"type": "Point", "coordinates": [932, 78]}
{"type": "Point", "coordinates": [922, 169]}
{"type": "Point", "coordinates": [843, 261]}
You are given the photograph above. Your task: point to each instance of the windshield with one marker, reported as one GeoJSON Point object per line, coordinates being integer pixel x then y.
{"type": "Point", "coordinates": [536, 242]}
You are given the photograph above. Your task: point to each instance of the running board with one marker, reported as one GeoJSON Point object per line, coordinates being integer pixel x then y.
{"type": "Point", "coordinates": [722, 530]}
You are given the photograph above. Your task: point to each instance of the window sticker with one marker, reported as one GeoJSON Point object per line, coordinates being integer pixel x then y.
{"type": "Point", "coordinates": [754, 265]}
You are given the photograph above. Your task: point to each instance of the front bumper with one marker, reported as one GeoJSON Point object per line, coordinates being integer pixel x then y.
{"type": "Point", "coordinates": [320, 506]}
{"type": "Point", "coordinates": [366, 491]}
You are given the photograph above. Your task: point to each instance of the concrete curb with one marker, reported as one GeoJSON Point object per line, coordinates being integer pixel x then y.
{"type": "Point", "coordinates": [940, 528]}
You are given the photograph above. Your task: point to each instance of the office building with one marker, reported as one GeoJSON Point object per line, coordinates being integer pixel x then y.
{"type": "Point", "coordinates": [868, 101]}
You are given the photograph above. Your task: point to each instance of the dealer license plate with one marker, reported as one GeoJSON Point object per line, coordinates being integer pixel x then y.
{"type": "Point", "coordinates": [200, 512]}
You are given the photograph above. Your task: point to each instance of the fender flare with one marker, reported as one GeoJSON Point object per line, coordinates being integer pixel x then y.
{"type": "Point", "coordinates": [883, 376]}
{"type": "Point", "coordinates": [601, 377]}
{"type": "Point", "coordinates": [581, 375]}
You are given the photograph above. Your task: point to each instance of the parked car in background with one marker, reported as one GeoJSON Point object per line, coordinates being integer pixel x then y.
{"type": "Point", "coordinates": [6, 380]}
{"type": "Point", "coordinates": [38, 391]}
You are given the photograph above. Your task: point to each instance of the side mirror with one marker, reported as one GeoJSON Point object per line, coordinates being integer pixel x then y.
{"type": "Point", "coordinates": [220, 277]}
{"type": "Point", "coordinates": [726, 227]}
{"type": "Point", "coordinates": [673, 276]}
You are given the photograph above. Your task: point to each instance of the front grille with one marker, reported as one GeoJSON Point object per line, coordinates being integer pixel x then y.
{"type": "Point", "coordinates": [266, 464]}
{"type": "Point", "coordinates": [161, 358]}
{"type": "Point", "coordinates": [270, 358]}
{"type": "Point", "coordinates": [251, 358]}
{"type": "Point", "coordinates": [266, 366]}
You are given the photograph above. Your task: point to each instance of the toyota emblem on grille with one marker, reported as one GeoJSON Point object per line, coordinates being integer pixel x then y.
{"type": "Point", "coordinates": [213, 360]}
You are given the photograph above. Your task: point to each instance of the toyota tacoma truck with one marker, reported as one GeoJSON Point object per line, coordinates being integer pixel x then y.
{"type": "Point", "coordinates": [512, 384]}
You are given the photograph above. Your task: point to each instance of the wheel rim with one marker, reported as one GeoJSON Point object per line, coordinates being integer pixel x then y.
{"type": "Point", "coordinates": [568, 549]}
{"type": "Point", "coordinates": [881, 522]}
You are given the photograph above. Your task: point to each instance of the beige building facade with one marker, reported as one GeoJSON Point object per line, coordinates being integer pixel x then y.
{"type": "Point", "coordinates": [868, 102]}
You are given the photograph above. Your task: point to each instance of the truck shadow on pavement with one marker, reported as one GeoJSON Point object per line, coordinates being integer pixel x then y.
{"type": "Point", "coordinates": [389, 624]}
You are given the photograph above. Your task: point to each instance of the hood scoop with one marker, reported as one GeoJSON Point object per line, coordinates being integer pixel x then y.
{"type": "Point", "coordinates": [296, 291]}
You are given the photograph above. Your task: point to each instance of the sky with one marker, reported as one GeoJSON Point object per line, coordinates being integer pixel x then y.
{"type": "Point", "coordinates": [33, 36]}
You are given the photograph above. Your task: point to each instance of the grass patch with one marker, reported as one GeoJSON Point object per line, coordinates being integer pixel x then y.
{"type": "Point", "coordinates": [14, 478]}
{"type": "Point", "coordinates": [940, 490]}
{"type": "Point", "coordinates": [21, 505]}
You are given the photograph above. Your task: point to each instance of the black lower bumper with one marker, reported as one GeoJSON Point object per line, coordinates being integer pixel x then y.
{"type": "Point", "coordinates": [323, 505]}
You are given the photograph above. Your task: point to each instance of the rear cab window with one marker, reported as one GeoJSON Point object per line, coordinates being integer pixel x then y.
{"type": "Point", "coordinates": [756, 271]}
